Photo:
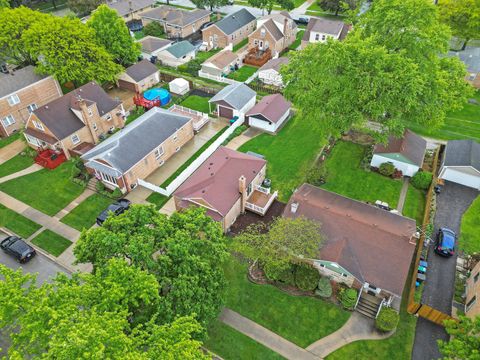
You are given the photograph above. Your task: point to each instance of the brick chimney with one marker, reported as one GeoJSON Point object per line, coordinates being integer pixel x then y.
{"type": "Point", "coordinates": [87, 119]}
{"type": "Point", "coordinates": [242, 188]}
{"type": "Point", "coordinates": [285, 26]}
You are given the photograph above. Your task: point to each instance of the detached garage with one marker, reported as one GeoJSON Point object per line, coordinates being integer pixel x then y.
{"type": "Point", "coordinates": [270, 113]}
{"type": "Point", "coordinates": [139, 77]}
{"type": "Point", "coordinates": [234, 100]}
{"type": "Point", "coordinates": [461, 163]}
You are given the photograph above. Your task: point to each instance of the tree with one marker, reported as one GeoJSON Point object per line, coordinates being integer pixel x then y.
{"type": "Point", "coordinates": [337, 6]}
{"type": "Point", "coordinates": [284, 243]}
{"type": "Point", "coordinates": [269, 4]}
{"type": "Point", "coordinates": [68, 50]}
{"type": "Point", "coordinates": [83, 7]}
{"type": "Point", "coordinates": [185, 252]}
{"type": "Point", "coordinates": [89, 316]}
{"type": "Point", "coordinates": [154, 28]}
{"type": "Point", "coordinates": [463, 17]}
{"type": "Point", "coordinates": [210, 3]}
{"type": "Point", "coordinates": [114, 36]}
{"type": "Point", "coordinates": [4, 4]}
{"type": "Point", "coordinates": [464, 340]}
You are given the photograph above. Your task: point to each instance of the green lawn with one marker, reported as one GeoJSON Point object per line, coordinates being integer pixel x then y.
{"type": "Point", "coordinates": [51, 242]}
{"type": "Point", "coordinates": [46, 190]}
{"type": "Point", "coordinates": [134, 115]}
{"type": "Point", "coordinates": [84, 215]}
{"type": "Point", "coordinates": [196, 102]}
{"type": "Point", "coordinates": [17, 163]}
{"type": "Point", "coordinates": [346, 177]}
{"type": "Point", "coordinates": [157, 199]}
{"type": "Point", "coordinates": [414, 206]}
{"type": "Point", "coordinates": [17, 223]}
{"type": "Point", "coordinates": [201, 56]}
{"type": "Point", "coordinates": [8, 140]}
{"type": "Point", "coordinates": [462, 124]}
{"type": "Point", "coordinates": [469, 240]}
{"type": "Point", "coordinates": [242, 73]}
{"type": "Point", "coordinates": [139, 35]}
{"type": "Point", "coordinates": [300, 319]}
{"type": "Point", "coordinates": [240, 44]}
{"type": "Point", "coordinates": [233, 345]}
{"type": "Point", "coordinates": [290, 154]}
{"type": "Point", "coordinates": [297, 41]}
{"type": "Point", "coordinates": [316, 10]}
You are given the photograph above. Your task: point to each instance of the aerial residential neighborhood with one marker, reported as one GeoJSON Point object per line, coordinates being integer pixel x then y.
{"type": "Point", "coordinates": [235, 179]}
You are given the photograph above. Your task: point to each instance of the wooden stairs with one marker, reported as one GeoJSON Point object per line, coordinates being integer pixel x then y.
{"type": "Point", "coordinates": [368, 305]}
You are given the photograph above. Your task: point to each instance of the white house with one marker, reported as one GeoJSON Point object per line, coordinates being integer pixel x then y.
{"type": "Point", "coordinates": [406, 153]}
{"type": "Point", "coordinates": [152, 45]}
{"type": "Point", "coordinates": [234, 100]}
{"type": "Point", "coordinates": [269, 73]}
{"type": "Point", "coordinates": [321, 29]}
{"type": "Point", "coordinates": [270, 113]}
{"type": "Point", "coordinates": [177, 54]}
{"type": "Point", "coordinates": [461, 163]}
{"type": "Point", "coordinates": [221, 63]}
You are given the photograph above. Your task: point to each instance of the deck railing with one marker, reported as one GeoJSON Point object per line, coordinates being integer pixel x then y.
{"type": "Point", "coordinates": [197, 125]}
{"type": "Point", "coordinates": [261, 210]}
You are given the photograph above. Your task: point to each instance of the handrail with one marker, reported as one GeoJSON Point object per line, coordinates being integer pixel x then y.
{"type": "Point", "coordinates": [358, 297]}
{"type": "Point", "coordinates": [380, 308]}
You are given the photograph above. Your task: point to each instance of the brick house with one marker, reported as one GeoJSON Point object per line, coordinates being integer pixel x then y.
{"type": "Point", "coordinates": [21, 92]}
{"type": "Point", "coordinates": [472, 293]}
{"type": "Point", "coordinates": [74, 122]}
{"type": "Point", "coordinates": [139, 149]}
{"type": "Point", "coordinates": [139, 77]}
{"type": "Point", "coordinates": [232, 29]}
{"type": "Point", "coordinates": [275, 32]}
{"type": "Point", "coordinates": [177, 23]}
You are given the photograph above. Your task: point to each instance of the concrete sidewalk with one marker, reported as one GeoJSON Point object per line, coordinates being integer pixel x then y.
{"type": "Point", "coordinates": [9, 151]}
{"type": "Point", "coordinates": [31, 169]}
{"type": "Point", "coordinates": [403, 195]}
{"type": "Point", "coordinates": [86, 193]}
{"type": "Point", "coordinates": [265, 337]}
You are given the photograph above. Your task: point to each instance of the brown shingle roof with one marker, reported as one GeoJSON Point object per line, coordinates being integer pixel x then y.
{"type": "Point", "coordinates": [215, 182]}
{"type": "Point", "coordinates": [152, 43]}
{"type": "Point", "coordinates": [141, 70]}
{"type": "Point", "coordinates": [273, 29]}
{"type": "Point", "coordinates": [125, 7]}
{"type": "Point", "coordinates": [175, 16]}
{"type": "Point", "coordinates": [411, 146]}
{"type": "Point", "coordinates": [223, 59]}
{"type": "Point", "coordinates": [275, 64]}
{"type": "Point", "coordinates": [272, 107]}
{"type": "Point", "coordinates": [371, 243]}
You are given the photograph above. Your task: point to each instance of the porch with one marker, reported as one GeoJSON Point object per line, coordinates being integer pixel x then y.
{"type": "Point", "coordinates": [257, 57]}
{"type": "Point", "coordinates": [260, 200]}
{"type": "Point", "coordinates": [199, 118]}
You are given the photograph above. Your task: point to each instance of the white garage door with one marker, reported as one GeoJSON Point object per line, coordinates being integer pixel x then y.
{"type": "Point", "coordinates": [461, 178]}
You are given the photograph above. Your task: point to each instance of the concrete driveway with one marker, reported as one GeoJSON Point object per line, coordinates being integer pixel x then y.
{"type": "Point", "coordinates": [439, 286]}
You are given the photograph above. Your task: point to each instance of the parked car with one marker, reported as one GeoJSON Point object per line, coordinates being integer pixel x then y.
{"type": "Point", "coordinates": [18, 248]}
{"type": "Point", "coordinates": [205, 25]}
{"type": "Point", "coordinates": [301, 21]}
{"type": "Point", "coordinates": [445, 245]}
{"type": "Point", "coordinates": [116, 208]}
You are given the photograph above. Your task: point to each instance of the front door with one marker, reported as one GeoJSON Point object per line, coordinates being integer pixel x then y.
{"type": "Point", "coordinates": [260, 45]}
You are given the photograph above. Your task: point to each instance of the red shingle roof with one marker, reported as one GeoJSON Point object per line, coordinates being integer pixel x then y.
{"type": "Point", "coordinates": [272, 107]}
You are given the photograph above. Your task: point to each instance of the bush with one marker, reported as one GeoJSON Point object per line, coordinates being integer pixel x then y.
{"type": "Point", "coordinates": [348, 298]}
{"type": "Point", "coordinates": [306, 277]}
{"type": "Point", "coordinates": [422, 180]}
{"type": "Point", "coordinates": [324, 288]}
{"type": "Point", "coordinates": [235, 133]}
{"type": "Point", "coordinates": [386, 169]}
{"type": "Point", "coordinates": [116, 194]}
{"type": "Point", "coordinates": [279, 273]}
{"type": "Point", "coordinates": [316, 175]}
{"type": "Point", "coordinates": [387, 319]}
{"type": "Point", "coordinates": [153, 29]}
{"type": "Point", "coordinates": [99, 186]}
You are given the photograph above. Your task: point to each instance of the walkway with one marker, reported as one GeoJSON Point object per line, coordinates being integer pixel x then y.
{"type": "Point", "coordinates": [403, 194]}
{"type": "Point", "coordinates": [86, 193]}
{"type": "Point", "coordinates": [265, 337]}
{"type": "Point", "coordinates": [9, 151]}
{"type": "Point", "coordinates": [358, 327]}
{"type": "Point", "coordinates": [31, 169]}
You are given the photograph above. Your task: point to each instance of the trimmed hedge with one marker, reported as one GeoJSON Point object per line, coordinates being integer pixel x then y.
{"type": "Point", "coordinates": [386, 169]}
{"type": "Point", "coordinates": [306, 277]}
{"type": "Point", "coordinates": [276, 273]}
{"type": "Point", "coordinates": [422, 180]}
{"type": "Point", "coordinates": [348, 298]}
{"type": "Point", "coordinates": [324, 288]}
{"type": "Point", "coordinates": [387, 319]}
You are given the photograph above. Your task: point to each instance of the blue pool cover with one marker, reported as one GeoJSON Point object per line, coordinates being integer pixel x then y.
{"type": "Point", "coordinates": [158, 94]}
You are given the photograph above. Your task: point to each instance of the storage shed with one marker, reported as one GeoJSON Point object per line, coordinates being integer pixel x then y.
{"type": "Point", "coordinates": [179, 86]}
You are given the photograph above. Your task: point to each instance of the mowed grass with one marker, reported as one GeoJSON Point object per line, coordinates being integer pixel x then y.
{"type": "Point", "coordinates": [233, 345]}
{"type": "Point", "coordinates": [300, 319]}
{"type": "Point", "coordinates": [346, 177]}
{"type": "Point", "coordinates": [8, 140]}
{"type": "Point", "coordinates": [17, 163]}
{"type": "Point", "coordinates": [242, 73]}
{"type": "Point", "coordinates": [46, 190]}
{"type": "Point", "coordinates": [17, 223]}
{"type": "Point", "coordinates": [414, 206]}
{"type": "Point", "coordinates": [196, 102]}
{"type": "Point", "coordinates": [84, 215]}
{"type": "Point", "coordinates": [469, 240]}
{"type": "Point", "coordinates": [298, 40]}
{"type": "Point", "coordinates": [462, 124]}
{"type": "Point", "coordinates": [289, 154]}
{"type": "Point", "coordinates": [51, 242]}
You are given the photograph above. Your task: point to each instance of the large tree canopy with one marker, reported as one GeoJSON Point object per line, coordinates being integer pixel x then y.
{"type": "Point", "coordinates": [210, 3]}
{"type": "Point", "coordinates": [83, 7]}
{"type": "Point", "coordinates": [89, 317]}
{"type": "Point", "coordinates": [113, 34]}
{"type": "Point", "coordinates": [269, 4]}
{"type": "Point", "coordinates": [465, 339]}
{"type": "Point", "coordinates": [463, 17]}
{"type": "Point", "coordinates": [390, 70]}
{"type": "Point", "coordinates": [184, 251]}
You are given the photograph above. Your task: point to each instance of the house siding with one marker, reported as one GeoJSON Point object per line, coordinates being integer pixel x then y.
{"type": "Point", "coordinates": [407, 169]}
{"type": "Point", "coordinates": [334, 272]}
{"type": "Point", "coordinates": [40, 93]}
{"type": "Point", "coordinates": [216, 38]}
{"type": "Point", "coordinates": [141, 85]}
{"type": "Point", "coordinates": [270, 77]}
{"type": "Point", "coordinates": [276, 46]}
{"type": "Point", "coordinates": [168, 59]}
{"type": "Point", "coordinates": [265, 125]}
{"type": "Point", "coordinates": [472, 291]}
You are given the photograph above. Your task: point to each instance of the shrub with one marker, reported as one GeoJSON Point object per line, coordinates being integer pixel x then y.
{"type": "Point", "coordinates": [235, 133]}
{"type": "Point", "coordinates": [324, 288]}
{"type": "Point", "coordinates": [422, 180]}
{"type": "Point", "coordinates": [153, 29]}
{"type": "Point", "coordinates": [279, 273]}
{"type": "Point", "coordinates": [306, 277]}
{"type": "Point", "coordinates": [386, 169]}
{"type": "Point", "coordinates": [348, 298]}
{"type": "Point", "coordinates": [387, 319]}
{"type": "Point", "coordinates": [317, 175]}
{"type": "Point", "coordinates": [116, 193]}
{"type": "Point", "coordinates": [99, 186]}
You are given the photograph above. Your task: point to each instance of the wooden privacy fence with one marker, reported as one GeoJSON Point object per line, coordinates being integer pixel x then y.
{"type": "Point", "coordinates": [423, 310]}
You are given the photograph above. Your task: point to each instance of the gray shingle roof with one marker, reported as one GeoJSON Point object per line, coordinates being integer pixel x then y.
{"type": "Point", "coordinates": [152, 43]}
{"type": "Point", "coordinates": [180, 49]}
{"type": "Point", "coordinates": [326, 26]}
{"type": "Point", "coordinates": [23, 77]}
{"type": "Point", "coordinates": [233, 22]}
{"type": "Point", "coordinates": [141, 70]}
{"type": "Point", "coordinates": [275, 64]}
{"type": "Point", "coordinates": [128, 146]}
{"type": "Point", "coordinates": [125, 7]}
{"type": "Point", "coordinates": [237, 95]}
{"type": "Point", "coordinates": [462, 153]}
{"type": "Point", "coordinates": [470, 56]}
{"type": "Point", "coordinates": [175, 16]}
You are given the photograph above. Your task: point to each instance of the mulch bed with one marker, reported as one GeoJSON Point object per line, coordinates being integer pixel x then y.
{"type": "Point", "coordinates": [358, 137]}
{"type": "Point", "coordinates": [249, 218]}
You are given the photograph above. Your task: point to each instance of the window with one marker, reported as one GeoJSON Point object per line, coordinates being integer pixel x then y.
{"type": "Point", "coordinates": [8, 120]}
{"type": "Point", "coordinates": [475, 278]}
{"type": "Point", "coordinates": [90, 113]}
{"type": "Point", "coordinates": [159, 152]}
{"type": "Point", "coordinates": [323, 37]}
{"type": "Point", "coordinates": [32, 140]}
{"type": "Point", "coordinates": [13, 100]}
{"type": "Point", "coordinates": [94, 125]}
{"type": "Point", "coordinates": [161, 162]}
{"type": "Point", "coordinates": [175, 137]}
{"type": "Point", "coordinates": [177, 149]}
{"type": "Point", "coordinates": [344, 275]}
{"type": "Point", "coordinates": [108, 117]}
{"type": "Point", "coordinates": [262, 32]}
{"type": "Point", "coordinates": [38, 125]}
{"type": "Point", "coordinates": [31, 108]}
{"type": "Point", "coordinates": [322, 265]}
{"type": "Point", "coordinates": [471, 303]}
{"type": "Point", "coordinates": [255, 42]}
{"type": "Point", "coordinates": [75, 139]}
{"type": "Point", "coordinates": [107, 178]}
{"type": "Point", "coordinates": [317, 37]}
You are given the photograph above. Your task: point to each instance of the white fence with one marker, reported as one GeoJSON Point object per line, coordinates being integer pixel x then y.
{"type": "Point", "coordinates": [194, 165]}
{"type": "Point", "coordinates": [216, 77]}
{"type": "Point", "coordinates": [197, 124]}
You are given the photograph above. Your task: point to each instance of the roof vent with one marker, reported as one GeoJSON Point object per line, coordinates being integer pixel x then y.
{"type": "Point", "coordinates": [294, 207]}
{"type": "Point", "coordinates": [211, 174]}
{"type": "Point", "coordinates": [46, 106]}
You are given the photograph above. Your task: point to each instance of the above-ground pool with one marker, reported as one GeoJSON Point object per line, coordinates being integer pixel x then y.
{"type": "Point", "coordinates": [158, 94]}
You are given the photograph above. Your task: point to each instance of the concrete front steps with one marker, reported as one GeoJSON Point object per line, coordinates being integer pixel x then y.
{"type": "Point", "coordinates": [368, 305]}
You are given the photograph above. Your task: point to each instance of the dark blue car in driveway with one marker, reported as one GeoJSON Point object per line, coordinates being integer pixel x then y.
{"type": "Point", "coordinates": [445, 245]}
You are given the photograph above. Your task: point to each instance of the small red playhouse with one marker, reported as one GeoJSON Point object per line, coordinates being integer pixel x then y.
{"type": "Point", "coordinates": [49, 158]}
